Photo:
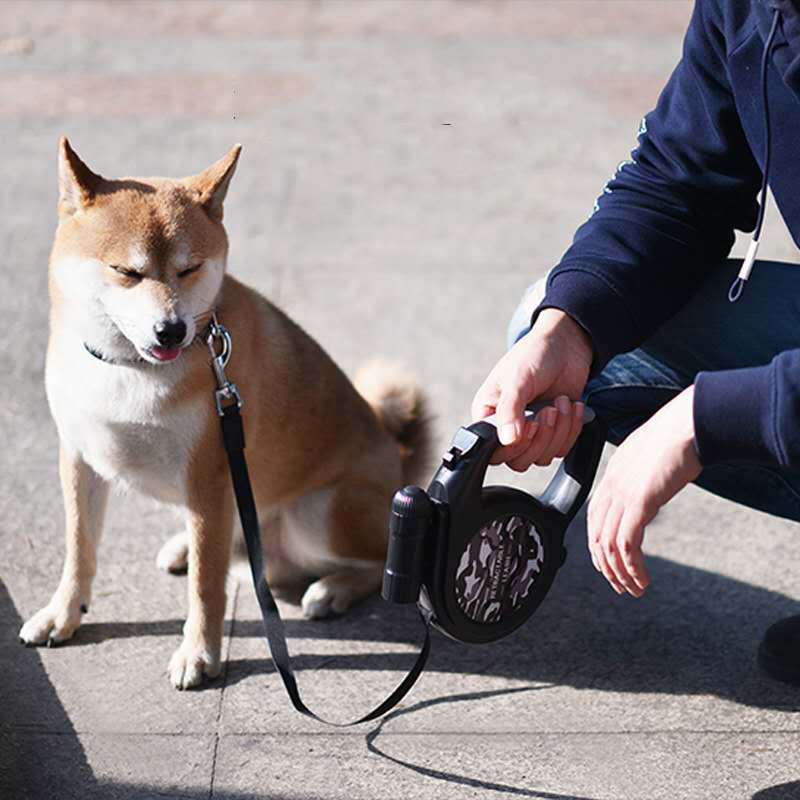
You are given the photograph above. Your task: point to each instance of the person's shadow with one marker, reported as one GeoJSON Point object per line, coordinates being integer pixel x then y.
{"type": "Point", "coordinates": [785, 791]}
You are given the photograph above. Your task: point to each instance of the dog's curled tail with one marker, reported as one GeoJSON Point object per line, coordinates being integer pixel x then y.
{"type": "Point", "coordinates": [402, 409]}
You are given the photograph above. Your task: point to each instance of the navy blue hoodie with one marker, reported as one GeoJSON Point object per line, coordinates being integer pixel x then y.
{"type": "Point", "coordinates": [667, 218]}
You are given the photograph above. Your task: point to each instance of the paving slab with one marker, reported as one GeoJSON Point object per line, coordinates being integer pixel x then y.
{"type": "Point", "coordinates": [107, 766]}
{"type": "Point", "coordinates": [551, 767]}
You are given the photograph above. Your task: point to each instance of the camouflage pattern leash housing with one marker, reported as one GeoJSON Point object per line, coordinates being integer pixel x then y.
{"type": "Point", "coordinates": [480, 560]}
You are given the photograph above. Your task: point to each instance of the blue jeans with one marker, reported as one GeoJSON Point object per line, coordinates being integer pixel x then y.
{"type": "Point", "coordinates": [708, 333]}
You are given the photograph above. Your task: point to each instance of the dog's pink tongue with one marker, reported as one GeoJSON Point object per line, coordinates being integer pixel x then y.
{"type": "Point", "coordinates": [166, 353]}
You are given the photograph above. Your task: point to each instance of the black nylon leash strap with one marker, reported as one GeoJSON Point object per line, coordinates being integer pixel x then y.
{"type": "Point", "coordinates": [233, 436]}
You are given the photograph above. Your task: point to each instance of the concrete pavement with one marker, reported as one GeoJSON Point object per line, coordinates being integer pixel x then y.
{"type": "Point", "coordinates": [408, 168]}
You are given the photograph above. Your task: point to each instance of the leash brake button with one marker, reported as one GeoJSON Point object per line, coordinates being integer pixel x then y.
{"type": "Point", "coordinates": [464, 442]}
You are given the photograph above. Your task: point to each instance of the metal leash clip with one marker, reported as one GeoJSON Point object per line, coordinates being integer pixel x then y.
{"type": "Point", "coordinates": [226, 391]}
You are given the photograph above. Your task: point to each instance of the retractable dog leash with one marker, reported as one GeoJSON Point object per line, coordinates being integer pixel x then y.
{"type": "Point", "coordinates": [477, 561]}
{"type": "Point", "coordinates": [480, 560]}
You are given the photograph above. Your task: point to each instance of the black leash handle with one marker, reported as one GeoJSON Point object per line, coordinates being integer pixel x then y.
{"type": "Point", "coordinates": [233, 436]}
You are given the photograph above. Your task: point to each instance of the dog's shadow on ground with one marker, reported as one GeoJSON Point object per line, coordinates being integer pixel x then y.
{"type": "Point", "coordinates": [694, 632]}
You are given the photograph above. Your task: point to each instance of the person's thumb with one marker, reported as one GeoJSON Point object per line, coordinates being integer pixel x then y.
{"type": "Point", "coordinates": [510, 415]}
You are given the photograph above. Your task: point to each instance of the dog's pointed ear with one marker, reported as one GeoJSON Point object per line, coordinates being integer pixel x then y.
{"type": "Point", "coordinates": [212, 184]}
{"type": "Point", "coordinates": [77, 184]}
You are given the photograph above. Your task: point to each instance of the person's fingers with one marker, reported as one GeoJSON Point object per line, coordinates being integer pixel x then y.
{"type": "Point", "coordinates": [523, 460]}
{"type": "Point", "coordinates": [563, 421]}
{"type": "Point", "coordinates": [481, 412]}
{"type": "Point", "coordinates": [485, 401]}
{"type": "Point", "coordinates": [512, 452]}
{"type": "Point", "coordinates": [606, 549]}
{"type": "Point", "coordinates": [629, 542]}
{"type": "Point", "coordinates": [560, 425]}
{"type": "Point", "coordinates": [510, 409]}
{"type": "Point", "coordinates": [576, 426]}
{"type": "Point", "coordinates": [611, 550]}
{"type": "Point", "coordinates": [540, 440]}
{"type": "Point", "coordinates": [567, 425]}
{"type": "Point", "coordinates": [598, 507]}
{"type": "Point", "coordinates": [601, 507]}
{"type": "Point", "coordinates": [546, 418]}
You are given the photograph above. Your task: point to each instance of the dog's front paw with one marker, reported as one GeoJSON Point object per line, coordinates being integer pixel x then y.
{"type": "Point", "coordinates": [174, 554]}
{"type": "Point", "coordinates": [324, 598]}
{"type": "Point", "coordinates": [191, 662]}
{"type": "Point", "coordinates": [335, 593]}
{"type": "Point", "coordinates": [53, 624]}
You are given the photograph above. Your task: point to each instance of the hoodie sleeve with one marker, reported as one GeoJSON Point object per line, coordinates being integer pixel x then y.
{"type": "Point", "coordinates": [667, 216]}
{"type": "Point", "coordinates": [662, 223]}
{"type": "Point", "coordinates": [750, 414]}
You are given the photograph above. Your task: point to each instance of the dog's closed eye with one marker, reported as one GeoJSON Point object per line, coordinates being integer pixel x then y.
{"type": "Point", "coordinates": [189, 270]}
{"type": "Point", "coordinates": [126, 272]}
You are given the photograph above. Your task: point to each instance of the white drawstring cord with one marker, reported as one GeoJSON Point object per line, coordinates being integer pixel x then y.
{"type": "Point", "coordinates": [744, 273]}
{"type": "Point", "coordinates": [735, 292]}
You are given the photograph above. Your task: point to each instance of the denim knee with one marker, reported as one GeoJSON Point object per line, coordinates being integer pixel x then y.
{"type": "Point", "coordinates": [631, 388]}
{"type": "Point", "coordinates": [520, 322]}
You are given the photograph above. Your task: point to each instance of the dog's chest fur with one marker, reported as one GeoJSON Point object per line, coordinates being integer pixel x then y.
{"type": "Point", "coordinates": [125, 422]}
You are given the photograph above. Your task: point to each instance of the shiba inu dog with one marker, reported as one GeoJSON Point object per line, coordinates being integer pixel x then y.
{"type": "Point", "coordinates": [137, 269]}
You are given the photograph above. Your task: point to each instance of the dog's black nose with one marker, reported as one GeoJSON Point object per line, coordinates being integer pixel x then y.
{"type": "Point", "coordinates": [170, 334]}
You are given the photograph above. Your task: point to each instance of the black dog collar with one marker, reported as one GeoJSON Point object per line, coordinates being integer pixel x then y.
{"type": "Point", "coordinates": [106, 360]}
{"type": "Point", "coordinates": [199, 337]}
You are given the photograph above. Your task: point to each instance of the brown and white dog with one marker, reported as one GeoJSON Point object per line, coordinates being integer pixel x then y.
{"type": "Point", "coordinates": [137, 267]}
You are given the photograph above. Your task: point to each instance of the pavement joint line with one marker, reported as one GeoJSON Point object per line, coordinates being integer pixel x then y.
{"type": "Point", "coordinates": [213, 775]}
{"type": "Point", "coordinates": [399, 734]}
{"type": "Point", "coordinates": [131, 734]}
{"type": "Point", "coordinates": [462, 733]}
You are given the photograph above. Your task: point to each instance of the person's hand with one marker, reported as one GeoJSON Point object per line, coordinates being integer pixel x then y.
{"type": "Point", "coordinates": [649, 468]}
{"type": "Point", "coordinates": [551, 362]}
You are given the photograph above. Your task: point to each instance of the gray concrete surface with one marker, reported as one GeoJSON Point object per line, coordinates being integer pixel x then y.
{"type": "Point", "coordinates": [408, 168]}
